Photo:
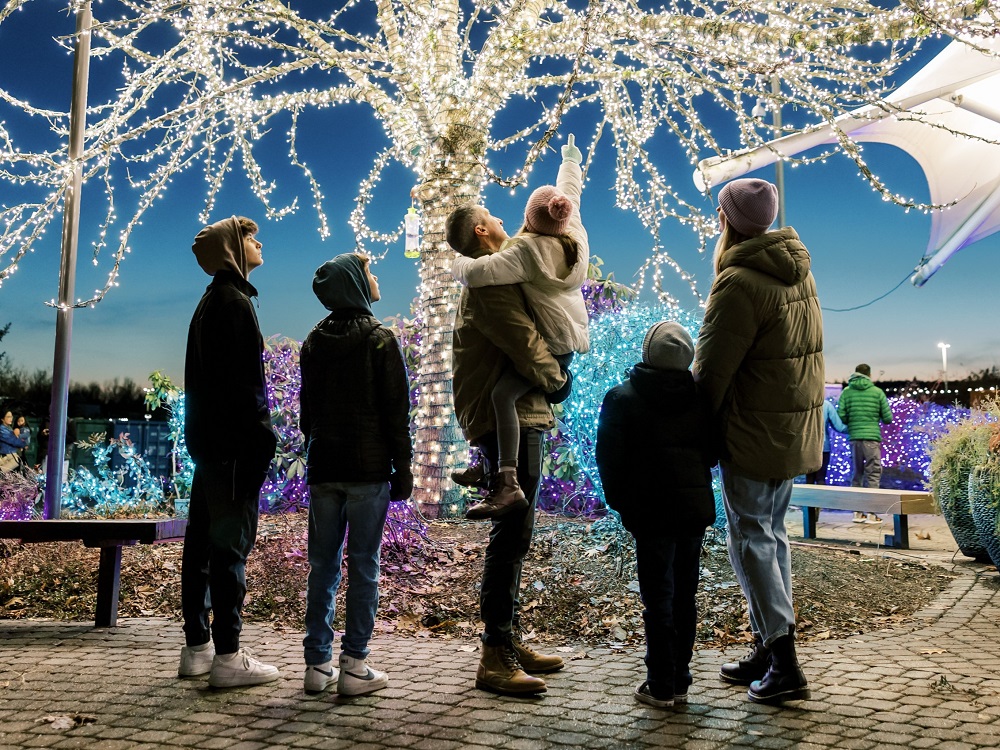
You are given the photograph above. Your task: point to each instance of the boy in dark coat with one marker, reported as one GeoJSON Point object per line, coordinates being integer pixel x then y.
{"type": "Point", "coordinates": [355, 405]}
{"type": "Point", "coordinates": [655, 451]}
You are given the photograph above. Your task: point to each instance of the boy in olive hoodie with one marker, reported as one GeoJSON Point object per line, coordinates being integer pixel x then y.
{"type": "Point", "coordinates": [227, 426]}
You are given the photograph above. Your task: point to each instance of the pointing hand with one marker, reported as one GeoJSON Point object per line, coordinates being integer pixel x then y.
{"type": "Point", "coordinates": [570, 152]}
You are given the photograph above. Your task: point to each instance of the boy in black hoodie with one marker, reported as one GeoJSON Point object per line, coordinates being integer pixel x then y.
{"type": "Point", "coordinates": [355, 415]}
{"type": "Point", "coordinates": [655, 451]}
{"type": "Point", "coordinates": [227, 426]}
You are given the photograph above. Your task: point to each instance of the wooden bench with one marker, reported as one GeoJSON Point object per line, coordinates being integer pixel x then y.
{"type": "Point", "coordinates": [897, 503]}
{"type": "Point", "coordinates": [110, 536]}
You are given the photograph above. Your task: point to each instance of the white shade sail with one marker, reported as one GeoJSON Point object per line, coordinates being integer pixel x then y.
{"type": "Point", "coordinates": [938, 117]}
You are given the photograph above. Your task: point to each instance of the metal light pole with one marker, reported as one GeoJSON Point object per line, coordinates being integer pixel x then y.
{"type": "Point", "coordinates": [944, 362]}
{"type": "Point", "coordinates": [779, 166]}
{"type": "Point", "coordinates": [67, 266]}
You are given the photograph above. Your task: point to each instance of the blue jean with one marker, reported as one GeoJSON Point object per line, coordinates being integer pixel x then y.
{"type": "Point", "coordinates": [333, 508]}
{"type": "Point", "coordinates": [221, 531]}
{"type": "Point", "coordinates": [758, 548]}
{"type": "Point", "coordinates": [668, 569]}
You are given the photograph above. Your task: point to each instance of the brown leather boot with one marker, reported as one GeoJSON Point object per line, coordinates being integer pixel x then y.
{"type": "Point", "coordinates": [505, 496]}
{"type": "Point", "coordinates": [473, 476]}
{"type": "Point", "coordinates": [534, 662]}
{"type": "Point", "coordinates": [500, 673]}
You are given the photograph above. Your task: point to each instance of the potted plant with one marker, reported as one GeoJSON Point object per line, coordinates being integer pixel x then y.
{"type": "Point", "coordinates": [984, 495]}
{"type": "Point", "coordinates": [953, 454]}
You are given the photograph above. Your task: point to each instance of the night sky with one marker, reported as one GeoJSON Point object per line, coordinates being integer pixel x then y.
{"type": "Point", "coordinates": [861, 247]}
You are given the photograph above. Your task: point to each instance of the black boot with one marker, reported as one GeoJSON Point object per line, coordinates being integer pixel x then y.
{"type": "Point", "coordinates": [753, 667]}
{"type": "Point", "coordinates": [784, 680]}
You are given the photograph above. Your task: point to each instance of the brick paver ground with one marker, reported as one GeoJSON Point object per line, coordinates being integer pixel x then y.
{"type": "Point", "coordinates": [932, 684]}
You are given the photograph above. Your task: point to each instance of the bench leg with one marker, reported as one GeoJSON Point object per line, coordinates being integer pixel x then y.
{"type": "Point", "coordinates": [108, 581]}
{"type": "Point", "coordinates": [900, 538]}
{"type": "Point", "coordinates": [809, 518]}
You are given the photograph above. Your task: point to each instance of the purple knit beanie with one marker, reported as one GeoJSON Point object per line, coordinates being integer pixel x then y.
{"type": "Point", "coordinates": [750, 205]}
{"type": "Point", "coordinates": [548, 211]}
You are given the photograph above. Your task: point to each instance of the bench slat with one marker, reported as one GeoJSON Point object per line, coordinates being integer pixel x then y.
{"type": "Point", "coordinates": [834, 497]}
{"type": "Point", "coordinates": [141, 530]}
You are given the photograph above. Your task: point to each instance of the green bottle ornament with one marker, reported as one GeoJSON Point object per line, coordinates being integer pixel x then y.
{"type": "Point", "coordinates": [411, 223]}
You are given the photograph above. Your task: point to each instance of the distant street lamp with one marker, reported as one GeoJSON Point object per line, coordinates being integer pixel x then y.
{"type": "Point", "coordinates": [944, 362]}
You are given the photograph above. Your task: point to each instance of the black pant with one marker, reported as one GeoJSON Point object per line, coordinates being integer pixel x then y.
{"type": "Point", "coordinates": [510, 538]}
{"type": "Point", "coordinates": [221, 530]}
{"type": "Point", "coordinates": [819, 477]}
{"type": "Point", "coordinates": [668, 580]}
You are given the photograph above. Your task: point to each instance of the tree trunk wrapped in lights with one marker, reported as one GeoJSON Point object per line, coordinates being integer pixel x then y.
{"type": "Point", "coordinates": [201, 84]}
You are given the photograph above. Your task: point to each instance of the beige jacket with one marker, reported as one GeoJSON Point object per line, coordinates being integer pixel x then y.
{"type": "Point", "coordinates": [537, 261]}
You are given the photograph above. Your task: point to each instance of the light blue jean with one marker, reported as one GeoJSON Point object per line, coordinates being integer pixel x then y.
{"type": "Point", "coordinates": [333, 508]}
{"type": "Point", "coordinates": [758, 549]}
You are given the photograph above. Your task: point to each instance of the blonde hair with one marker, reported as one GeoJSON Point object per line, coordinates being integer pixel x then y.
{"type": "Point", "coordinates": [728, 238]}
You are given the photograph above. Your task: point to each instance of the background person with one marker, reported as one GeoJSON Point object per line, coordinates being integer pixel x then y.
{"type": "Point", "coordinates": [864, 408]}
{"type": "Point", "coordinates": [830, 419]}
{"type": "Point", "coordinates": [759, 360]}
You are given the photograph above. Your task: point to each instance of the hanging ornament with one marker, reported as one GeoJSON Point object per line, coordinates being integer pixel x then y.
{"type": "Point", "coordinates": [412, 225]}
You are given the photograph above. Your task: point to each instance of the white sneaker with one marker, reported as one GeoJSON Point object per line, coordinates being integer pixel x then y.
{"type": "Point", "coordinates": [319, 677]}
{"type": "Point", "coordinates": [196, 660]}
{"type": "Point", "coordinates": [858, 517]}
{"type": "Point", "coordinates": [357, 678]}
{"type": "Point", "coordinates": [872, 518]}
{"type": "Point", "coordinates": [239, 669]}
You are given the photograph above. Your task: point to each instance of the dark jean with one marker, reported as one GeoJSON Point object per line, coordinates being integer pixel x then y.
{"type": "Point", "coordinates": [221, 531]}
{"type": "Point", "coordinates": [510, 539]}
{"type": "Point", "coordinates": [668, 571]}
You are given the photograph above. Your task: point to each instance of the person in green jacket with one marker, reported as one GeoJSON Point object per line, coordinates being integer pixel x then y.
{"type": "Point", "coordinates": [864, 408]}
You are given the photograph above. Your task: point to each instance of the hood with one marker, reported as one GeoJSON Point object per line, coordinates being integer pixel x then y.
{"type": "Point", "coordinates": [341, 284]}
{"type": "Point", "coordinates": [219, 247]}
{"type": "Point", "coordinates": [779, 254]}
{"type": "Point", "coordinates": [859, 382]}
{"type": "Point", "coordinates": [663, 387]}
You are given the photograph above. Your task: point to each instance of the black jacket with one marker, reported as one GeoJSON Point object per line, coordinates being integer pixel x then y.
{"type": "Point", "coordinates": [355, 400]}
{"type": "Point", "coordinates": [225, 405]}
{"type": "Point", "coordinates": [655, 450]}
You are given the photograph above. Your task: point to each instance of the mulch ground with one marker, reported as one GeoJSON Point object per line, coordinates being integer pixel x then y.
{"type": "Point", "coordinates": [578, 586]}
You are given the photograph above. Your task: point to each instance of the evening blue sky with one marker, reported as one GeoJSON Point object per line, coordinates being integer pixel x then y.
{"type": "Point", "coordinates": [861, 246]}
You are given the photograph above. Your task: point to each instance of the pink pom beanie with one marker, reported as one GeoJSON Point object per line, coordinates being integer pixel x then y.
{"type": "Point", "coordinates": [749, 205]}
{"type": "Point", "coordinates": [548, 211]}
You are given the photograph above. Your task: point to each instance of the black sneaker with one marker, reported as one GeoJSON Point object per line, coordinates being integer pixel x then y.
{"type": "Point", "coordinates": [644, 695]}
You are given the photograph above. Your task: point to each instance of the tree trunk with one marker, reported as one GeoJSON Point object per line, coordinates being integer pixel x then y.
{"type": "Point", "coordinates": [440, 444]}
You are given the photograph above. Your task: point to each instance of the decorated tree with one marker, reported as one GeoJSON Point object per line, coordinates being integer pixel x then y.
{"type": "Point", "coordinates": [455, 85]}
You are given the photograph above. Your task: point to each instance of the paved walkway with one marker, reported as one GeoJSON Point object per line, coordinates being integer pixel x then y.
{"type": "Point", "coordinates": [933, 684]}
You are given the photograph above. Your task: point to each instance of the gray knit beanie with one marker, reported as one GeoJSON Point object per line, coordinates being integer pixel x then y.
{"type": "Point", "coordinates": [547, 211]}
{"type": "Point", "coordinates": [668, 346]}
{"type": "Point", "coordinates": [750, 205]}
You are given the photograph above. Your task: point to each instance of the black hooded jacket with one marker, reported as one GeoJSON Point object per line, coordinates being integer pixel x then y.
{"type": "Point", "coordinates": [355, 400]}
{"type": "Point", "coordinates": [225, 404]}
{"type": "Point", "coordinates": [655, 450]}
